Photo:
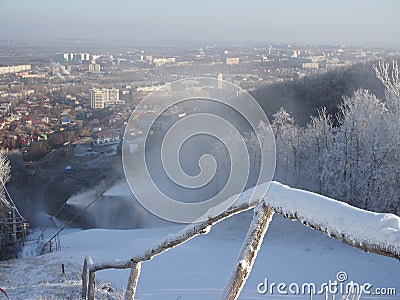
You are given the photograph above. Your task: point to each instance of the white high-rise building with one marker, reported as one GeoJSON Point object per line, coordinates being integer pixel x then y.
{"type": "Point", "coordinates": [94, 68]}
{"type": "Point", "coordinates": [97, 98]}
{"type": "Point", "coordinates": [112, 96]}
{"type": "Point", "coordinates": [69, 57]}
{"type": "Point", "coordinates": [100, 98]}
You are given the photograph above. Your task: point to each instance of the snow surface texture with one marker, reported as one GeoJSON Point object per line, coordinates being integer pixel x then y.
{"type": "Point", "coordinates": [199, 268]}
{"type": "Point", "coordinates": [337, 219]}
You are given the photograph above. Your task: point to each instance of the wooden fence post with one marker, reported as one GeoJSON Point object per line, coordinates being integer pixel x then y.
{"type": "Point", "coordinates": [132, 281]}
{"type": "Point", "coordinates": [91, 285]}
{"type": "Point", "coordinates": [261, 219]}
{"type": "Point", "coordinates": [84, 279]}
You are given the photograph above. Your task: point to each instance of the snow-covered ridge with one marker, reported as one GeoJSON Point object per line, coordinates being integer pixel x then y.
{"type": "Point", "coordinates": [358, 227]}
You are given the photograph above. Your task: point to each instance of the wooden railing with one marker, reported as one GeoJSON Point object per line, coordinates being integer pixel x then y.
{"type": "Point", "coordinates": [263, 212]}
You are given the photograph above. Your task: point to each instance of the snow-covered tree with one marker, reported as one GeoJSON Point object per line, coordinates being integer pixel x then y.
{"type": "Point", "coordinates": [389, 75]}
{"type": "Point", "coordinates": [361, 121]}
{"type": "Point", "coordinates": [5, 170]}
{"type": "Point", "coordinates": [287, 138]}
{"type": "Point", "coordinates": [317, 141]}
{"type": "Point", "coordinates": [356, 160]}
{"type": "Point", "coordinates": [282, 119]}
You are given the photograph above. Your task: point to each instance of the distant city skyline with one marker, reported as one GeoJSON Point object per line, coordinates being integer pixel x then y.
{"type": "Point", "coordinates": [355, 22]}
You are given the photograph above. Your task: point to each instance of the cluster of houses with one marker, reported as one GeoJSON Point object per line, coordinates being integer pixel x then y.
{"type": "Point", "coordinates": [29, 119]}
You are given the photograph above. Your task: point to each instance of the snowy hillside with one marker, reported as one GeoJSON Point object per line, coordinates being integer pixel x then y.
{"type": "Point", "coordinates": [291, 253]}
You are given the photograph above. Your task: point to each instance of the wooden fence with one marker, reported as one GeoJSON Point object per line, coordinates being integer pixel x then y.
{"type": "Point", "coordinates": [263, 213]}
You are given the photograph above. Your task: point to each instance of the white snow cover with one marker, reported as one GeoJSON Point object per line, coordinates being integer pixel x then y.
{"type": "Point", "coordinates": [199, 268]}
{"type": "Point", "coordinates": [370, 231]}
{"type": "Point", "coordinates": [336, 218]}
{"type": "Point", "coordinates": [376, 232]}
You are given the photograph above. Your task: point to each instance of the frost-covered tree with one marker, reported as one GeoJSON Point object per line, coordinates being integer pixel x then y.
{"type": "Point", "coordinates": [356, 160]}
{"type": "Point", "coordinates": [5, 170]}
{"type": "Point", "coordinates": [282, 119]}
{"type": "Point", "coordinates": [361, 122]}
{"type": "Point", "coordinates": [317, 142]}
{"type": "Point", "coordinates": [287, 141]}
{"type": "Point", "coordinates": [389, 75]}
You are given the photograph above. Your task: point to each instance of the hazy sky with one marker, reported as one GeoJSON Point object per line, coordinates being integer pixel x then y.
{"type": "Point", "coordinates": [353, 22]}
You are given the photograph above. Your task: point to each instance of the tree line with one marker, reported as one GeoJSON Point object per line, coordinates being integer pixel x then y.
{"type": "Point", "coordinates": [304, 97]}
{"type": "Point", "coordinates": [351, 154]}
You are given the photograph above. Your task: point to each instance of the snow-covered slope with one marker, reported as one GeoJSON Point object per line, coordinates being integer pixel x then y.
{"type": "Point", "coordinates": [198, 269]}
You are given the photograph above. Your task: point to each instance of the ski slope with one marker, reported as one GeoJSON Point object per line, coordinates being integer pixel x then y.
{"type": "Point", "coordinates": [291, 255]}
{"type": "Point", "coordinates": [198, 269]}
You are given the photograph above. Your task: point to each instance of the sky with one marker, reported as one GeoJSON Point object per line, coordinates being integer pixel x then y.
{"type": "Point", "coordinates": [350, 22]}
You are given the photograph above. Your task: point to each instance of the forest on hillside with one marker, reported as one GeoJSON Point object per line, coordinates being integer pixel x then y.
{"type": "Point", "coordinates": [304, 97]}
{"type": "Point", "coordinates": [350, 148]}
